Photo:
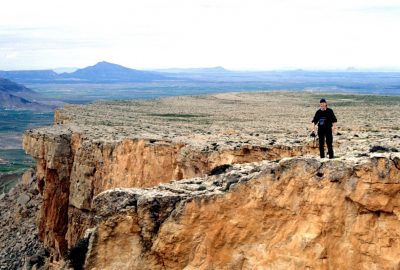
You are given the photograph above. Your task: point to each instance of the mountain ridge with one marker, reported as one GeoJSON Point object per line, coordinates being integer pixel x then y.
{"type": "Point", "coordinates": [18, 96]}
{"type": "Point", "coordinates": [108, 72]}
{"type": "Point", "coordinates": [101, 72]}
{"type": "Point", "coordinates": [217, 69]}
{"type": "Point", "coordinates": [8, 86]}
{"type": "Point", "coordinates": [23, 76]}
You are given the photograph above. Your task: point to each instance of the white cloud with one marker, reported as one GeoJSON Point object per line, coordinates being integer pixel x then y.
{"type": "Point", "coordinates": [252, 34]}
{"type": "Point", "coordinates": [11, 55]}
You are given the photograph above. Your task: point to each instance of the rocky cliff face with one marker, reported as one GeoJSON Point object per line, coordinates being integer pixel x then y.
{"type": "Point", "coordinates": [73, 169]}
{"type": "Point", "coordinates": [136, 181]}
{"type": "Point", "coordinates": [299, 213]}
{"type": "Point", "coordinates": [20, 247]}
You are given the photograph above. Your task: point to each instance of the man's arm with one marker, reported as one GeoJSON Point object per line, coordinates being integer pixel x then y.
{"type": "Point", "coordinates": [313, 126]}
{"type": "Point", "coordinates": [334, 121]}
{"type": "Point", "coordinates": [314, 122]}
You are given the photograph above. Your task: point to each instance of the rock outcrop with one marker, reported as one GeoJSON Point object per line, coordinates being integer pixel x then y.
{"type": "Point", "coordinates": [156, 185]}
{"type": "Point", "coordinates": [299, 213]}
{"type": "Point", "coordinates": [73, 169]}
{"type": "Point", "coordinates": [20, 247]}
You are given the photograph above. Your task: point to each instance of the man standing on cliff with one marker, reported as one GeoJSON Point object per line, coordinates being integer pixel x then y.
{"type": "Point", "coordinates": [324, 118]}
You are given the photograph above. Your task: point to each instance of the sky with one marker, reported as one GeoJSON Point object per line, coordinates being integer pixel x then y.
{"type": "Point", "coordinates": [238, 35]}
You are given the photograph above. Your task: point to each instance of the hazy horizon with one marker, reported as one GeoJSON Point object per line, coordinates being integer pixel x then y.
{"type": "Point", "coordinates": [154, 34]}
{"type": "Point", "coordinates": [348, 69]}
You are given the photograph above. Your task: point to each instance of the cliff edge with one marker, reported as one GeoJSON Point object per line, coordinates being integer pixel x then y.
{"type": "Point", "coordinates": [227, 181]}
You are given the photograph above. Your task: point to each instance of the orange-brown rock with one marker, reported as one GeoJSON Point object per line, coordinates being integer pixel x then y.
{"type": "Point", "coordinates": [298, 214]}
{"type": "Point", "coordinates": [73, 169]}
{"type": "Point", "coordinates": [94, 149]}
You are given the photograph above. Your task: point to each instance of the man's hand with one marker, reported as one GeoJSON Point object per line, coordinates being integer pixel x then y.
{"type": "Point", "coordinates": [334, 128]}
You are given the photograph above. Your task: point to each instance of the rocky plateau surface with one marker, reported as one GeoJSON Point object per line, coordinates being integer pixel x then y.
{"type": "Point", "coordinates": [225, 181]}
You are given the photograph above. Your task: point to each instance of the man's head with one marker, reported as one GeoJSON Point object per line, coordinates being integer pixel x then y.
{"type": "Point", "coordinates": [323, 104]}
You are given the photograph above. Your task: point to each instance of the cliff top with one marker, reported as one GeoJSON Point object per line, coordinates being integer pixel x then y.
{"type": "Point", "coordinates": [141, 165]}
{"type": "Point", "coordinates": [229, 119]}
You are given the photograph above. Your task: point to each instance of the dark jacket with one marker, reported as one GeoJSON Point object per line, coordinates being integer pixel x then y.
{"type": "Point", "coordinates": [324, 119]}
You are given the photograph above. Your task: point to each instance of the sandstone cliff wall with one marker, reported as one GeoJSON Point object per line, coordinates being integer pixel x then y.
{"type": "Point", "coordinates": [135, 173]}
{"type": "Point", "coordinates": [73, 168]}
{"type": "Point", "coordinates": [298, 214]}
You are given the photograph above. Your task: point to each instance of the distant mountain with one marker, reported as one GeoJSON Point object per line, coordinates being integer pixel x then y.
{"type": "Point", "coordinates": [65, 70]}
{"type": "Point", "coordinates": [9, 101]}
{"type": "Point", "coordinates": [7, 86]}
{"type": "Point", "coordinates": [29, 76]}
{"type": "Point", "coordinates": [212, 70]}
{"type": "Point", "coordinates": [105, 72]}
{"type": "Point", "coordinates": [102, 72]}
{"type": "Point", "coordinates": [108, 72]}
{"type": "Point", "coordinates": [15, 96]}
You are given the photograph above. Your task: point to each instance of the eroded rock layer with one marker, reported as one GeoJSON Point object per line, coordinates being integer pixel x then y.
{"type": "Point", "coordinates": [299, 213]}
{"type": "Point", "coordinates": [72, 170]}
{"type": "Point", "coordinates": [20, 247]}
{"type": "Point", "coordinates": [261, 211]}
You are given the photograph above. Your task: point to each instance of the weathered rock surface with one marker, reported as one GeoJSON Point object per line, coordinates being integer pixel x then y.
{"type": "Point", "coordinates": [72, 169]}
{"type": "Point", "coordinates": [20, 247]}
{"type": "Point", "coordinates": [299, 213]}
{"type": "Point", "coordinates": [110, 147]}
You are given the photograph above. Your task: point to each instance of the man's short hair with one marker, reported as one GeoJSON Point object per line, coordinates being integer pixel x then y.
{"type": "Point", "coordinates": [322, 100]}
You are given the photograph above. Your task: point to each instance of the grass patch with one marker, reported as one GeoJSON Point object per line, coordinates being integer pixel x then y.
{"type": "Point", "coordinates": [16, 160]}
{"type": "Point", "coordinates": [11, 167]}
{"type": "Point", "coordinates": [175, 115]}
{"type": "Point", "coordinates": [347, 100]}
{"type": "Point", "coordinates": [343, 104]}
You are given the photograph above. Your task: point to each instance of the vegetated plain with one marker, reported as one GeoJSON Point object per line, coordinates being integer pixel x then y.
{"type": "Point", "coordinates": [79, 93]}
{"type": "Point", "coordinates": [13, 160]}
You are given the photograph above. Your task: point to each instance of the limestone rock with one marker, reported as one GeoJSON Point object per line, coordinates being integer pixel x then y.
{"type": "Point", "coordinates": [278, 216]}
{"type": "Point", "coordinates": [28, 177]}
{"type": "Point", "coordinates": [72, 169]}
{"type": "Point", "coordinates": [20, 247]}
{"type": "Point", "coordinates": [135, 172]}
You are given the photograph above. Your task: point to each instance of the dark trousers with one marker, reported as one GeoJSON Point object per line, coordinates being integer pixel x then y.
{"type": "Point", "coordinates": [322, 134]}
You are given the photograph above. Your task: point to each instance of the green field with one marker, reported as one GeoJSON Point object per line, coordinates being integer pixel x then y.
{"type": "Point", "coordinates": [11, 171]}
{"type": "Point", "coordinates": [14, 161]}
